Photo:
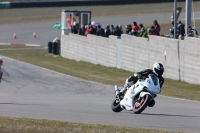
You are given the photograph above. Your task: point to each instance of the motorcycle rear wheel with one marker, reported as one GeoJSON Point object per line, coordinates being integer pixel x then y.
{"type": "Point", "coordinates": [143, 104]}
{"type": "Point", "coordinates": [116, 107]}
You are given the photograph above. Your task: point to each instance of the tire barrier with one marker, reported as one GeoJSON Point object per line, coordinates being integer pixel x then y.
{"type": "Point", "coordinates": [54, 48]}
{"type": "Point", "coordinates": [49, 47]}
{"type": "Point", "coordinates": [58, 48]}
{"type": "Point", "coordinates": [82, 3]}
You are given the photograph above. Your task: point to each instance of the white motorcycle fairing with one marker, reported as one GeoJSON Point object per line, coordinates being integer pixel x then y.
{"type": "Point", "coordinates": [148, 86]}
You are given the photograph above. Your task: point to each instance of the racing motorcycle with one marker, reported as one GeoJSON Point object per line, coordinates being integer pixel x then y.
{"type": "Point", "coordinates": [138, 96]}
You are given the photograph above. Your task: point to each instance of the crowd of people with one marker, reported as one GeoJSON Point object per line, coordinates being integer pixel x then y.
{"type": "Point", "coordinates": [96, 29]}
{"type": "Point", "coordinates": [134, 29]}
{"type": "Point", "coordinates": [180, 30]}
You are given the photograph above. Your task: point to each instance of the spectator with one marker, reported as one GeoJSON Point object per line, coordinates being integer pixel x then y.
{"type": "Point", "coordinates": [107, 31]}
{"type": "Point", "coordinates": [100, 31]}
{"type": "Point", "coordinates": [82, 30]}
{"type": "Point", "coordinates": [156, 27]}
{"type": "Point", "coordinates": [172, 30]}
{"type": "Point", "coordinates": [192, 32]}
{"type": "Point", "coordinates": [112, 29]}
{"type": "Point", "coordinates": [181, 28]}
{"type": "Point", "coordinates": [93, 28]}
{"type": "Point", "coordinates": [69, 20]}
{"type": "Point", "coordinates": [117, 31]}
{"type": "Point", "coordinates": [87, 30]}
{"type": "Point", "coordinates": [143, 31]}
{"type": "Point", "coordinates": [74, 28]}
{"type": "Point", "coordinates": [120, 27]}
{"type": "Point", "coordinates": [128, 29]}
{"type": "Point", "coordinates": [152, 31]}
{"type": "Point", "coordinates": [135, 29]}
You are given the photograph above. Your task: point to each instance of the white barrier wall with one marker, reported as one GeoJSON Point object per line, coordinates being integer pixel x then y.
{"type": "Point", "coordinates": [180, 57]}
{"type": "Point", "coordinates": [94, 49]}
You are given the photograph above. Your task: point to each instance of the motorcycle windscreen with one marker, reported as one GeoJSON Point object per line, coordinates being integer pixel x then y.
{"type": "Point", "coordinates": [154, 79]}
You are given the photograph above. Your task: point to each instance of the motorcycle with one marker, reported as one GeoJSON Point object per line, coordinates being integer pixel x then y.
{"type": "Point", "coordinates": [138, 96]}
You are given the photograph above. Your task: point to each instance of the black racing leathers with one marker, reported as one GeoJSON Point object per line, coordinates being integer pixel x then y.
{"type": "Point", "coordinates": [145, 73]}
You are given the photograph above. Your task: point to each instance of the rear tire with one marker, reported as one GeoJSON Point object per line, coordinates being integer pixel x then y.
{"type": "Point", "coordinates": [143, 104]}
{"type": "Point", "coordinates": [116, 107]}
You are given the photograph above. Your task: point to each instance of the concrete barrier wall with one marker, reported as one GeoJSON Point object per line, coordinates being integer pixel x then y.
{"type": "Point", "coordinates": [94, 49]}
{"type": "Point", "coordinates": [180, 57]}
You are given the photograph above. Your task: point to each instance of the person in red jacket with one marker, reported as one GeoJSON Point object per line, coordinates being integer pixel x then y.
{"type": "Point", "coordinates": [87, 30]}
{"type": "Point", "coordinates": [156, 27]}
{"type": "Point", "coordinates": [135, 29]}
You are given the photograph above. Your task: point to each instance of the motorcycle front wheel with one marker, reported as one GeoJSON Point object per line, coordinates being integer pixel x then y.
{"type": "Point", "coordinates": [140, 106]}
{"type": "Point", "coordinates": [115, 106]}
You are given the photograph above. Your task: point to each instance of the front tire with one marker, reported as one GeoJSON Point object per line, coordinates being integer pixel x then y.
{"type": "Point", "coordinates": [116, 107]}
{"type": "Point", "coordinates": [137, 109]}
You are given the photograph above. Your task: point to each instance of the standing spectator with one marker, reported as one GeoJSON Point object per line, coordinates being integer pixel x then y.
{"type": "Point", "coordinates": [100, 31]}
{"type": "Point", "coordinates": [74, 28]}
{"type": "Point", "coordinates": [143, 31]}
{"type": "Point", "coordinates": [192, 32]}
{"type": "Point", "coordinates": [117, 31]}
{"type": "Point", "coordinates": [181, 28]}
{"type": "Point", "coordinates": [135, 29]}
{"type": "Point", "coordinates": [128, 29]}
{"type": "Point", "coordinates": [172, 30]}
{"type": "Point", "coordinates": [120, 27]}
{"type": "Point", "coordinates": [107, 31]}
{"type": "Point", "coordinates": [112, 29]}
{"type": "Point", "coordinates": [152, 31]}
{"type": "Point", "coordinates": [156, 27]}
{"type": "Point", "coordinates": [87, 30]}
{"type": "Point", "coordinates": [93, 28]}
{"type": "Point", "coordinates": [69, 19]}
{"type": "Point", "coordinates": [82, 30]}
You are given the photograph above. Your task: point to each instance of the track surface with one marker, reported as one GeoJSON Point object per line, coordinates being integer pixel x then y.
{"type": "Point", "coordinates": [34, 92]}
{"type": "Point", "coordinates": [46, 33]}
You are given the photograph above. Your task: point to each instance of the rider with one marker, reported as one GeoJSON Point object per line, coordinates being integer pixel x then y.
{"type": "Point", "coordinates": [1, 73]}
{"type": "Point", "coordinates": [158, 70]}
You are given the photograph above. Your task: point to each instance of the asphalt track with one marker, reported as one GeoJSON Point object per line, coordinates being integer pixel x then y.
{"type": "Point", "coordinates": [45, 32]}
{"type": "Point", "coordinates": [34, 92]}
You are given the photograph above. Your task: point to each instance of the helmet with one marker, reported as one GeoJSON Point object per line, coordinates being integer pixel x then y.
{"type": "Point", "coordinates": [93, 23]}
{"type": "Point", "coordinates": [1, 61]}
{"type": "Point", "coordinates": [158, 68]}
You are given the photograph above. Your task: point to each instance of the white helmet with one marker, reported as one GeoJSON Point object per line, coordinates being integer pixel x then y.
{"type": "Point", "coordinates": [1, 61]}
{"type": "Point", "coordinates": [93, 23]}
{"type": "Point", "coordinates": [158, 69]}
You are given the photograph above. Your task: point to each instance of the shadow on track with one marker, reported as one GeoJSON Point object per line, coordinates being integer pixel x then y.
{"type": "Point", "coordinates": [168, 115]}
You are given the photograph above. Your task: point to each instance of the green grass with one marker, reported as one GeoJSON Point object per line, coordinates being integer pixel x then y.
{"type": "Point", "coordinates": [25, 125]}
{"type": "Point", "coordinates": [97, 73]}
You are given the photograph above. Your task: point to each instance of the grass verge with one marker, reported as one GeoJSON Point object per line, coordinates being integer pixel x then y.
{"type": "Point", "coordinates": [97, 73]}
{"type": "Point", "coordinates": [25, 125]}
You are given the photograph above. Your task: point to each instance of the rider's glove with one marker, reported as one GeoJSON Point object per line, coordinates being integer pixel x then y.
{"type": "Point", "coordinates": [129, 81]}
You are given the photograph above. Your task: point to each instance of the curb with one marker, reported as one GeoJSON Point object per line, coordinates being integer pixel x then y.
{"type": "Point", "coordinates": [16, 44]}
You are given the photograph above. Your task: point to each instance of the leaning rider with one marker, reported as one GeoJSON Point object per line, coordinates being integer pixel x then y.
{"type": "Point", "coordinates": [1, 73]}
{"type": "Point", "coordinates": [158, 70]}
